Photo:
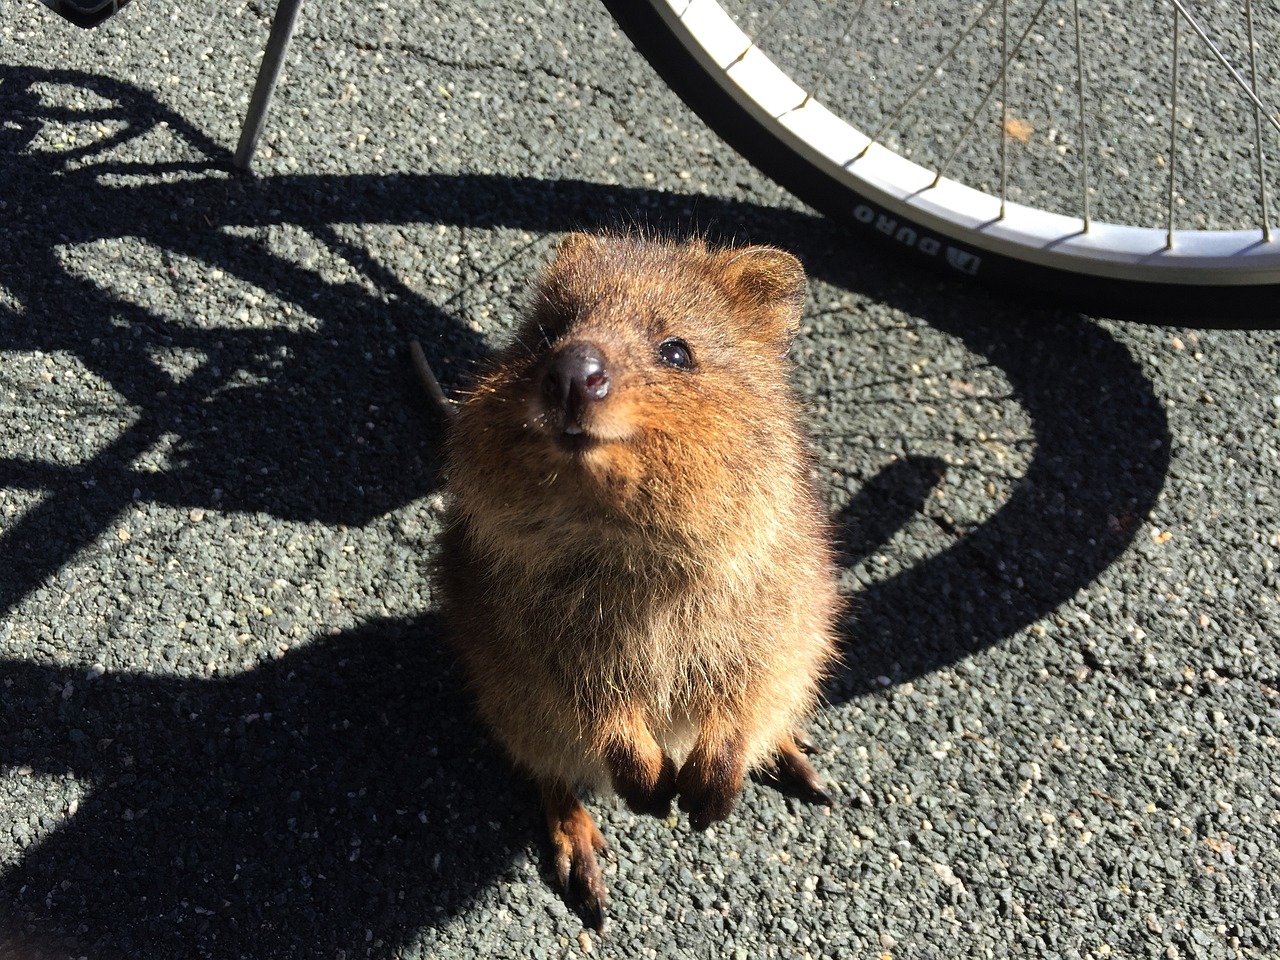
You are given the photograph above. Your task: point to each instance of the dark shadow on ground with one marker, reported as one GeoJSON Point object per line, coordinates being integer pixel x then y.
{"type": "Point", "coordinates": [340, 789]}
{"type": "Point", "coordinates": [316, 804]}
{"type": "Point", "coordinates": [1102, 450]}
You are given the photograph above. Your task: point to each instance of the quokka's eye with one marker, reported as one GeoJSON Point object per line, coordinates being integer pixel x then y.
{"type": "Point", "coordinates": [674, 352]}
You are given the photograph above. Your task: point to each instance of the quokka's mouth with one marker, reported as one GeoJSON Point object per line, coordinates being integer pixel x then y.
{"type": "Point", "coordinates": [573, 439]}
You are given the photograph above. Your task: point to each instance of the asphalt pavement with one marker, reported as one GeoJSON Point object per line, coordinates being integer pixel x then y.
{"type": "Point", "coordinates": [229, 724]}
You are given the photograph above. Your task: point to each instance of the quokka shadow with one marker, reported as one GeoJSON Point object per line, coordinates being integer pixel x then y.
{"type": "Point", "coordinates": [332, 799]}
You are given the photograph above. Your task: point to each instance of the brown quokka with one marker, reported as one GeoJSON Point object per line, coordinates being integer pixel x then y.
{"type": "Point", "coordinates": [635, 571]}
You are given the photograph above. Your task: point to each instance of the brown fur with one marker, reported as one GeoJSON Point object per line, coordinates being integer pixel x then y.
{"type": "Point", "coordinates": [649, 607]}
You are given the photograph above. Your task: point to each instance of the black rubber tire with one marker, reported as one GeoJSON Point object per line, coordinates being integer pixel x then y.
{"type": "Point", "coordinates": [86, 13]}
{"type": "Point", "coordinates": [1226, 305]}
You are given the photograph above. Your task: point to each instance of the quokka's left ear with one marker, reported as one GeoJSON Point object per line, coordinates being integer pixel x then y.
{"type": "Point", "coordinates": [770, 284]}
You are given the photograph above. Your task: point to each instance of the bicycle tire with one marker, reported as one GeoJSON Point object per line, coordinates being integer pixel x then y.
{"type": "Point", "coordinates": [1216, 278]}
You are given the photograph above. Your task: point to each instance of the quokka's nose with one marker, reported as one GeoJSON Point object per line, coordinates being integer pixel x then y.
{"type": "Point", "coordinates": [575, 379]}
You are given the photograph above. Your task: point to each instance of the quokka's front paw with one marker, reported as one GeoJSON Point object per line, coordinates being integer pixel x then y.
{"type": "Point", "coordinates": [709, 783]}
{"type": "Point", "coordinates": [645, 790]}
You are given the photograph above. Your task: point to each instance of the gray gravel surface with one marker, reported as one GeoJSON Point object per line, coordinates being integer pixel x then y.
{"type": "Point", "coordinates": [229, 727]}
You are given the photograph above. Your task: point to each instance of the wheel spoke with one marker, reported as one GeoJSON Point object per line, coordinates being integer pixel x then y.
{"type": "Point", "coordinates": [929, 75]}
{"type": "Point", "coordinates": [1009, 51]}
{"type": "Point", "coordinates": [1173, 128]}
{"type": "Point", "coordinates": [754, 38]}
{"type": "Point", "coordinates": [1218, 55]}
{"type": "Point", "coordinates": [826, 68]}
{"type": "Point", "coordinates": [1004, 107]}
{"type": "Point", "coordinates": [1004, 70]}
{"type": "Point", "coordinates": [1259, 155]}
{"type": "Point", "coordinates": [1084, 139]}
{"type": "Point", "coordinates": [1249, 88]}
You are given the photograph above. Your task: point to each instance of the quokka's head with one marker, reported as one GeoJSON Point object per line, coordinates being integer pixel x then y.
{"type": "Point", "coordinates": [648, 378]}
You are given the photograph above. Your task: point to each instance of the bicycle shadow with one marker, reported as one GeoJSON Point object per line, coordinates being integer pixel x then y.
{"type": "Point", "coordinates": [358, 833]}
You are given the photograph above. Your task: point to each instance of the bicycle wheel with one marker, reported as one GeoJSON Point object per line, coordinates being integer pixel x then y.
{"type": "Point", "coordinates": [1094, 117]}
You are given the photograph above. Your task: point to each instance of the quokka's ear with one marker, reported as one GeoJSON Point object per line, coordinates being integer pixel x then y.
{"type": "Point", "coordinates": [770, 284]}
{"type": "Point", "coordinates": [576, 244]}
{"type": "Point", "coordinates": [572, 252]}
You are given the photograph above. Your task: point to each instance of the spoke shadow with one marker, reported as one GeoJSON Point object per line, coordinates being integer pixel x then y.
{"type": "Point", "coordinates": [373, 804]}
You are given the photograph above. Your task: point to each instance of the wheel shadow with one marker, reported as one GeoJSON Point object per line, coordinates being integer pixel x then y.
{"type": "Point", "coordinates": [1102, 449]}
{"type": "Point", "coordinates": [374, 811]}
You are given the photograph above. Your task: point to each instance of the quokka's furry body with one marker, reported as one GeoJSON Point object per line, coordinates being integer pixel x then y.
{"type": "Point", "coordinates": [635, 571]}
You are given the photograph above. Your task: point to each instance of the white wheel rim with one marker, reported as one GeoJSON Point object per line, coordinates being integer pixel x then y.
{"type": "Point", "coordinates": [934, 217]}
